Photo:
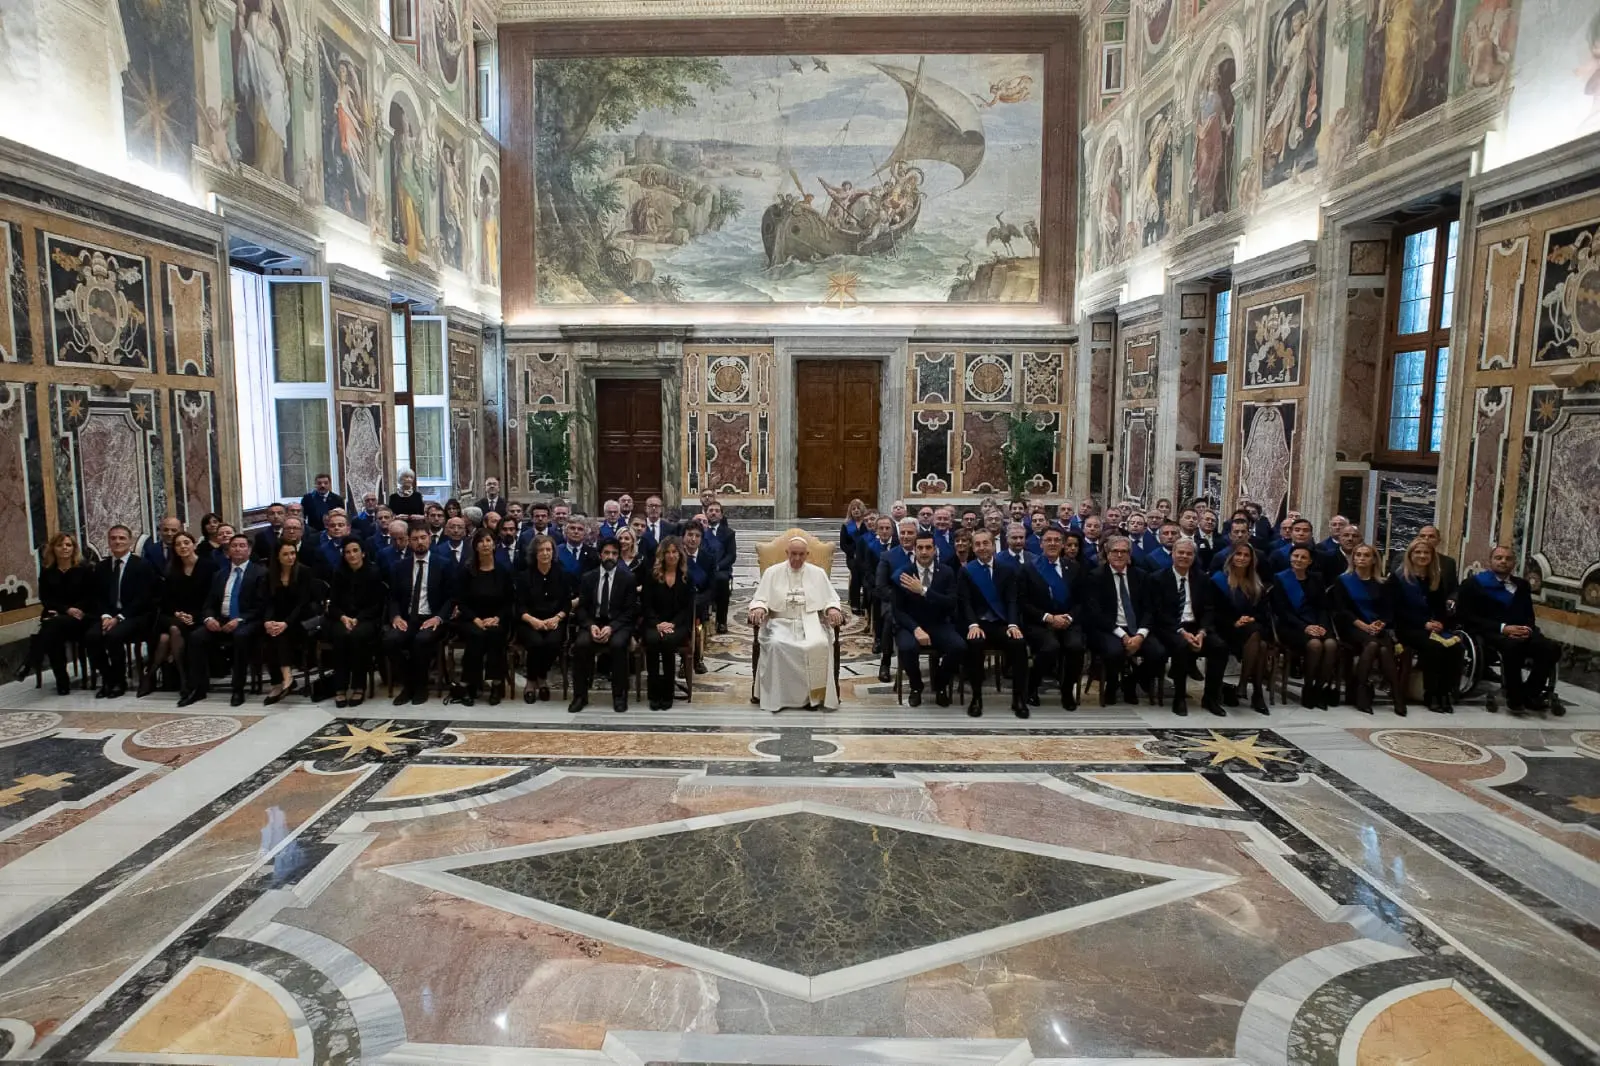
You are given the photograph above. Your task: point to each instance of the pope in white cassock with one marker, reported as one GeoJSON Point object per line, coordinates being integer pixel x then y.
{"type": "Point", "coordinates": [796, 668]}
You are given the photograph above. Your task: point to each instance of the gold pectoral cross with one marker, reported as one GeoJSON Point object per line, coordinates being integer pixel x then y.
{"type": "Point", "coordinates": [33, 783]}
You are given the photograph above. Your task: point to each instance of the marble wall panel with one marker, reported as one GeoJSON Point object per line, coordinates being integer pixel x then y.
{"type": "Point", "coordinates": [1569, 295]}
{"type": "Point", "coordinates": [1274, 338]}
{"type": "Point", "coordinates": [463, 368]}
{"type": "Point", "coordinates": [196, 473]}
{"type": "Point", "coordinates": [1041, 378]}
{"type": "Point", "coordinates": [187, 325]}
{"type": "Point", "coordinates": [464, 452]}
{"type": "Point", "coordinates": [1504, 279]}
{"type": "Point", "coordinates": [23, 514]}
{"type": "Point", "coordinates": [1138, 440]}
{"type": "Point", "coordinates": [1491, 425]}
{"type": "Point", "coordinates": [113, 450]}
{"type": "Point", "coordinates": [99, 302]}
{"type": "Point", "coordinates": [11, 299]}
{"type": "Point", "coordinates": [727, 452]}
{"type": "Point", "coordinates": [359, 350]}
{"type": "Point", "coordinates": [362, 450]}
{"type": "Point", "coordinates": [933, 377]}
{"type": "Point", "coordinates": [983, 468]}
{"type": "Point", "coordinates": [931, 438]}
{"type": "Point", "coordinates": [1405, 503]}
{"type": "Point", "coordinates": [1100, 394]}
{"type": "Point", "coordinates": [1266, 463]}
{"type": "Point", "coordinates": [1140, 358]}
{"type": "Point", "coordinates": [988, 377]}
{"type": "Point", "coordinates": [1566, 532]}
{"type": "Point", "coordinates": [1194, 362]}
{"type": "Point", "coordinates": [1363, 350]}
{"type": "Point", "coordinates": [492, 377]}
{"type": "Point", "coordinates": [540, 385]}
{"type": "Point", "coordinates": [1188, 483]}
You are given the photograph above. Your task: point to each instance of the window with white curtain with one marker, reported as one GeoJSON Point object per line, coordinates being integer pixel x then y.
{"type": "Point", "coordinates": [430, 389]}
{"type": "Point", "coordinates": [283, 378]}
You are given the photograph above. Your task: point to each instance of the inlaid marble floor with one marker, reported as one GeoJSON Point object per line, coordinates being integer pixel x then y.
{"type": "Point", "coordinates": [713, 885]}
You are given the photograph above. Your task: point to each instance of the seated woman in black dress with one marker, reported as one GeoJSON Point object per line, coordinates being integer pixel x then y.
{"type": "Point", "coordinates": [1305, 624]}
{"type": "Point", "coordinates": [1421, 612]}
{"type": "Point", "coordinates": [354, 623]}
{"type": "Point", "coordinates": [182, 607]}
{"type": "Point", "coordinates": [67, 596]}
{"type": "Point", "coordinates": [484, 600]}
{"type": "Point", "coordinates": [288, 600]}
{"type": "Point", "coordinates": [408, 501]}
{"type": "Point", "coordinates": [1241, 620]}
{"type": "Point", "coordinates": [668, 604]}
{"type": "Point", "coordinates": [1364, 618]}
{"type": "Point", "coordinates": [544, 599]}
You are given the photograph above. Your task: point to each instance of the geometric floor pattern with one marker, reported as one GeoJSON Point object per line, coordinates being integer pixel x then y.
{"type": "Point", "coordinates": [717, 885]}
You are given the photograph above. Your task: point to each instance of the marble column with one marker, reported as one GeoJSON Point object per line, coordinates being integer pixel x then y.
{"type": "Point", "coordinates": [891, 352]}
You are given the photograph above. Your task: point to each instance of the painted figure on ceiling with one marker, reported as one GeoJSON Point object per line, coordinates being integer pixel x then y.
{"type": "Point", "coordinates": [1406, 30]}
{"type": "Point", "coordinates": [405, 185]}
{"type": "Point", "coordinates": [452, 204]}
{"type": "Point", "coordinates": [1211, 177]}
{"type": "Point", "coordinates": [1293, 100]}
{"type": "Point", "coordinates": [489, 221]}
{"type": "Point", "coordinates": [346, 179]}
{"type": "Point", "coordinates": [261, 87]}
{"type": "Point", "coordinates": [1111, 209]}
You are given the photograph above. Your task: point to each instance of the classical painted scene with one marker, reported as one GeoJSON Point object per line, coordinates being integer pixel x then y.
{"type": "Point", "coordinates": [789, 179]}
{"type": "Point", "coordinates": [1214, 168]}
{"type": "Point", "coordinates": [261, 104]}
{"type": "Point", "coordinates": [346, 127]}
{"type": "Point", "coordinates": [1292, 89]}
{"type": "Point", "coordinates": [1407, 68]}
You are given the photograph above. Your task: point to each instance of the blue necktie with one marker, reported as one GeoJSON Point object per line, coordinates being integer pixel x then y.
{"type": "Point", "coordinates": [1127, 601]}
{"type": "Point", "coordinates": [233, 597]}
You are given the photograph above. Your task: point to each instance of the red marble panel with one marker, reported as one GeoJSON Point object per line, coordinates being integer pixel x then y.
{"type": "Point", "coordinates": [1100, 396]}
{"type": "Point", "coordinates": [983, 466]}
{"type": "Point", "coordinates": [1194, 359]}
{"type": "Point", "coordinates": [18, 561]}
{"type": "Point", "coordinates": [728, 452]}
{"type": "Point", "coordinates": [1491, 418]}
{"type": "Point", "coordinates": [1363, 348]}
{"type": "Point", "coordinates": [464, 451]}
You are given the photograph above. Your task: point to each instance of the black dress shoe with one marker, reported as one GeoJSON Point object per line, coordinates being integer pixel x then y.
{"type": "Point", "coordinates": [1258, 703]}
{"type": "Point", "coordinates": [1230, 695]}
{"type": "Point", "coordinates": [404, 698]}
{"type": "Point", "coordinates": [494, 696]}
{"type": "Point", "coordinates": [700, 666]}
{"type": "Point", "coordinates": [1033, 698]}
{"type": "Point", "coordinates": [915, 698]}
{"type": "Point", "coordinates": [578, 703]}
{"type": "Point", "coordinates": [528, 696]}
{"type": "Point", "coordinates": [190, 697]}
{"type": "Point", "coordinates": [63, 687]}
{"type": "Point", "coordinates": [942, 697]}
{"type": "Point", "coordinates": [1069, 702]}
{"type": "Point", "coordinates": [975, 707]}
{"type": "Point", "coordinates": [341, 703]}
{"type": "Point", "coordinates": [1180, 707]}
{"type": "Point", "coordinates": [1130, 694]}
{"type": "Point", "coordinates": [544, 692]}
{"type": "Point", "coordinates": [884, 675]}
{"type": "Point", "coordinates": [466, 700]}
{"type": "Point", "coordinates": [236, 700]}
{"type": "Point", "coordinates": [1214, 707]}
{"type": "Point", "coordinates": [102, 692]}
{"type": "Point", "coordinates": [419, 697]}
{"type": "Point", "coordinates": [147, 685]}
{"type": "Point", "coordinates": [1020, 710]}
{"type": "Point", "coordinates": [620, 705]}
{"type": "Point", "coordinates": [116, 692]}
{"type": "Point", "coordinates": [722, 629]}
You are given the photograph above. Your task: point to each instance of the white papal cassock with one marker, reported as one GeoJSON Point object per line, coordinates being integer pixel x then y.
{"type": "Point", "coordinates": [796, 645]}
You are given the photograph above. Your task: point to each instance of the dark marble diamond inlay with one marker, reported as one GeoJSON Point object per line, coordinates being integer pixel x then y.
{"type": "Point", "coordinates": [806, 892]}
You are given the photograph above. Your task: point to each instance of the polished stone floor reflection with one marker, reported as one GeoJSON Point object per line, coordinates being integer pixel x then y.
{"type": "Point", "coordinates": [720, 886]}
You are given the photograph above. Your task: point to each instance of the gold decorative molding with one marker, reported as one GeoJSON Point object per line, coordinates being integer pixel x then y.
{"type": "Point", "coordinates": [564, 10]}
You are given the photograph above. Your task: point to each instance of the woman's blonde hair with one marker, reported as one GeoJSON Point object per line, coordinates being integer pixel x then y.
{"type": "Point", "coordinates": [681, 570]}
{"type": "Point", "coordinates": [55, 541]}
{"type": "Point", "coordinates": [1431, 575]}
{"type": "Point", "coordinates": [1250, 584]}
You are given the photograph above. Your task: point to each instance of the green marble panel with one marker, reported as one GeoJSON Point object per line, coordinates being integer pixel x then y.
{"type": "Point", "coordinates": [806, 892]}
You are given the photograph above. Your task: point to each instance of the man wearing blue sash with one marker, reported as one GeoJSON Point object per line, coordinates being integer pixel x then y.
{"type": "Point", "coordinates": [1497, 606]}
{"type": "Point", "coordinates": [944, 535]}
{"type": "Point", "coordinates": [893, 562]}
{"type": "Point", "coordinates": [924, 603]}
{"type": "Point", "coordinates": [1158, 558]}
{"type": "Point", "coordinates": [989, 608]}
{"type": "Point", "coordinates": [1016, 552]}
{"type": "Point", "coordinates": [1143, 537]}
{"type": "Point", "coordinates": [578, 558]}
{"type": "Point", "coordinates": [1049, 608]}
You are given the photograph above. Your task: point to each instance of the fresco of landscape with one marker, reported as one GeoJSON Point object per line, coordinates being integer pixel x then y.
{"type": "Point", "coordinates": [789, 179]}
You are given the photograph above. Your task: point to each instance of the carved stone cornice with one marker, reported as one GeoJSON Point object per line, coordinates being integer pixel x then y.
{"type": "Point", "coordinates": [565, 10]}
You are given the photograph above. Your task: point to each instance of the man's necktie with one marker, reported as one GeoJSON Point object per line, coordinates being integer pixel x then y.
{"type": "Point", "coordinates": [233, 597]}
{"type": "Point", "coordinates": [1127, 601]}
{"type": "Point", "coordinates": [1183, 596]}
{"type": "Point", "coordinates": [605, 596]}
{"type": "Point", "coordinates": [927, 578]}
{"type": "Point", "coordinates": [116, 577]}
{"type": "Point", "coordinates": [416, 587]}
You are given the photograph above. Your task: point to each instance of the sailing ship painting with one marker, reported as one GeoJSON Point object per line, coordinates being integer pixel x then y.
{"type": "Point", "coordinates": [763, 179]}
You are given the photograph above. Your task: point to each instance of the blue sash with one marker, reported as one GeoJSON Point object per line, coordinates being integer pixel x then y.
{"type": "Point", "coordinates": [568, 557]}
{"type": "Point", "coordinates": [697, 573]}
{"type": "Point", "coordinates": [1159, 559]}
{"type": "Point", "coordinates": [851, 529]}
{"type": "Point", "coordinates": [899, 563]}
{"type": "Point", "coordinates": [1361, 595]}
{"type": "Point", "coordinates": [1293, 591]}
{"type": "Point", "coordinates": [877, 548]}
{"type": "Point", "coordinates": [1489, 581]}
{"type": "Point", "coordinates": [980, 577]}
{"type": "Point", "coordinates": [1235, 596]}
{"type": "Point", "coordinates": [1059, 590]}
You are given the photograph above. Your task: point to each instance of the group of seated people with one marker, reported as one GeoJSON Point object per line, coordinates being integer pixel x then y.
{"type": "Point", "coordinates": [1144, 591]}
{"type": "Point", "coordinates": [403, 576]}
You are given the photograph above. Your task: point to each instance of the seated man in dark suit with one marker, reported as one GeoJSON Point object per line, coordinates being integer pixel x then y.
{"type": "Point", "coordinates": [315, 505]}
{"type": "Point", "coordinates": [1121, 621]}
{"type": "Point", "coordinates": [991, 612]}
{"type": "Point", "coordinates": [236, 608]}
{"type": "Point", "coordinates": [491, 500]}
{"type": "Point", "coordinates": [718, 530]}
{"type": "Point", "coordinates": [1497, 606]}
{"type": "Point", "coordinates": [128, 588]}
{"type": "Point", "coordinates": [895, 560]}
{"type": "Point", "coordinates": [705, 566]}
{"type": "Point", "coordinates": [421, 595]}
{"type": "Point", "coordinates": [658, 528]}
{"type": "Point", "coordinates": [924, 608]}
{"type": "Point", "coordinates": [1050, 605]}
{"type": "Point", "coordinates": [608, 605]}
{"type": "Point", "coordinates": [1184, 625]}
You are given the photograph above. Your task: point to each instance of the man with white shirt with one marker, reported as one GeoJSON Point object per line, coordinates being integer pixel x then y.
{"type": "Point", "coordinates": [491, 500]}
{"type": "Point", "coordinates": [655, 526]}
{"type": "Point", "coordinates": [924, 610]}
{"type": "Point", "coordinates": [235, 611]}
{"type": "Point", "coordinates": [1497, 605]}
{"type": "Point", "coordinates": [1121, 617]}
{"type": "Point", "coordinates": [419, 604]}
{"type": "Point", "coordinates": [720, 533]}
{"type": "Point", "coordinates": [128, 587]}
{"type": "Point", "coordinates": [452, 547]}
{"type": "Point", "coordinates": [1184, 621]}
{"type": "Point", "coordinates": [990, 610]}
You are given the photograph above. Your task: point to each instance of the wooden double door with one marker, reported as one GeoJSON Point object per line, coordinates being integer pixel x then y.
{"type": "Point", "coordinates": [627, 436]}
{"type": "Point", "coordinates": [836, 411]}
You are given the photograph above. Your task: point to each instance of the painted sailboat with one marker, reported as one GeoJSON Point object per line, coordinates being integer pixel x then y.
{"type": "Point", "coordinates": [942, 126]}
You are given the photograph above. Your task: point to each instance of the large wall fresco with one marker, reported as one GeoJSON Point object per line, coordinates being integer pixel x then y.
{"type": "Point", "coordinates": [815, 179]}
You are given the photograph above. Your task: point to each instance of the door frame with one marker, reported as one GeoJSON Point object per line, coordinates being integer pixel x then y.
{"type": "Point", "coordinates": [891, 354]}
{"type": "Point", "coordinates": [592, 363]}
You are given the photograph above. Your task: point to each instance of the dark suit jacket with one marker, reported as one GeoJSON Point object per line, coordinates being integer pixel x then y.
{"type": "Point", "coordinates": [141, 586]}
{"type": "Point", "coordinates": [935, 608]}
{"type": "Point", "coordinates": [254, 597]}
{"type": "Point", "coordinates": [1100, 600]}
{"type": "Point", "coordinates": [498, 505]}
{"type": "Point", "coordinates": [588, 558]}
{"type": "Point", "coordinates": [624, 599]}
{"type": "Point", "coordinates": [1409, 615]}
{"type": "Point", "coordinates": [1164, 597]}
{"type": "Point", "coordinates": [317, 507]}
{"type": "Point", "coordinates": [441, 586]}
{"type": "Point", "coordinates": [727, 542]}
{"type": "Point", "coordinates": [659, 603]}
{"type": "Point", "coordinates": [1038, 598]}
{"type": "Point", "coordinates": [1484, 614]}
{"type": "Point", "coordinates": [668, 529]}
{"type": "Point", "coordinates": [973, 605]}
{"type": "Point", "coordinates": [266, 543]}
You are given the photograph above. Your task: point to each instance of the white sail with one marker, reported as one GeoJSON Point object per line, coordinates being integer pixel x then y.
{"type": "Point", "coordinates": [942, 124]}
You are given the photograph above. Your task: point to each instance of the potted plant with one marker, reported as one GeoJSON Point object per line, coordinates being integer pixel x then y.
{"type": "Point", "coordinates": [550, 450]}
{"type": "Point", "coordinates": [1029, 448]}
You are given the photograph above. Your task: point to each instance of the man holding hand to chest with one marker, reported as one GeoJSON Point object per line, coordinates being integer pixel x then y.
{"type": "Point", "coordinates": [924, 615]}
